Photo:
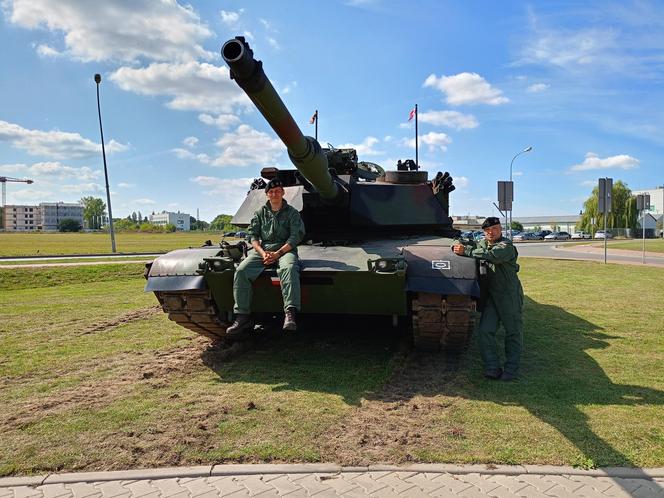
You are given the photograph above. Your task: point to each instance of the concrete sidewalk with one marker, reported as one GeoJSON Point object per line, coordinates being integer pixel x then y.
{"type": "Point", "coordinates": [328, 480]}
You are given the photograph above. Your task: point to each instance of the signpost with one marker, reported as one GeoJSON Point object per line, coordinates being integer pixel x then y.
{"type": "Point", "coordinates": [605, 189]}
{"type": "Point", "coordinates": [643, 205]}
{"type": "Point", "coordinates": [505, 198]}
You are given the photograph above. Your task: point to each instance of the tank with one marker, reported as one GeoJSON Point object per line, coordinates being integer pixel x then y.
{"type": "Point", "coordinates": [377, 242]}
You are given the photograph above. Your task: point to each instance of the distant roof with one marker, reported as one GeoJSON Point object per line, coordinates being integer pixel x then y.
{"type": "Point", "coordinates": [565, 218]}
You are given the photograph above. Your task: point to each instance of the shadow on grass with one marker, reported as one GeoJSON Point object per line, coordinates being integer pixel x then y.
{"type": "Point", "coordinates": [331, 354]}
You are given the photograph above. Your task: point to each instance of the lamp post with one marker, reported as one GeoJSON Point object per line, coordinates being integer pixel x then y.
{"type": "Point", "coordinates": [527, 149]}
{"type": "Point", "coordinates": [103, 152]}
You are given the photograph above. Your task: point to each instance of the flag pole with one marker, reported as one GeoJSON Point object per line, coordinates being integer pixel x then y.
{"type": "Point", "coordinates": [416, 144]}
{"type": "Point", "coordinates": [316, 125]}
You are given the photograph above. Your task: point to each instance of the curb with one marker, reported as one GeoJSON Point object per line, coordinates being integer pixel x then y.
{"type": "Point", "coordinates": [322, 468]}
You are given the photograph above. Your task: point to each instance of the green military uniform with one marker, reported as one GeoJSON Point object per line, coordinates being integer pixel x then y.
{"type": "Point", "coordinates": [272, 230]}
{"type": "Point", "coordinates": [504, 302]}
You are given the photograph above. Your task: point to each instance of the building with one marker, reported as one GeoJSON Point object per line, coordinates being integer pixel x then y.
{"type": "Point", "coordinates": [656, 199]}
{"type": "Point", "coordinates": [562, 223]}
{"type": "Point", "coordinates": [468, 222]}
{"type": "Point", "coordinates": [52, 213]}
{"type": "Point", "coordinates": [17, 218]}
{"type": "Point", "coordinates": [46, 216]}
{"type": "Point", "coordinates": [180, 220]}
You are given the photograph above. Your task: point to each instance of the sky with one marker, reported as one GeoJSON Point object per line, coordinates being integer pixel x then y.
{"type": "Point", "coordinates": [580, 82]}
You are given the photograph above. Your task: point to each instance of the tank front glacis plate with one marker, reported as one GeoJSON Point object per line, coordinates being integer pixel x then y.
{"type": "Point", "coordinates": [333, 280]}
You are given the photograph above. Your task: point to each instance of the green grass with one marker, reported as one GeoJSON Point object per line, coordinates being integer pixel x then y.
{"type": "Point", "coordinates": [652, 245]}
{"type": "Point", "coordinates": [144, 392]}
{"type": "Point", "coordinates": [53, 244]}
{"type": "Point", "coordinates": [63, 262]}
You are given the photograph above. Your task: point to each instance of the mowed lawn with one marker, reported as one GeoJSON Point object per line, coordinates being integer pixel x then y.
{"type": "Point", "coordinates": [94, 376]}
{"type": "Point", "coordinates": [652, 245]}
{"type": "Point", "coordinates": [47, 244]}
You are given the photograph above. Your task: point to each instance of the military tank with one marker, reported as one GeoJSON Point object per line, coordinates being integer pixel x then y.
{"type": "Point", "coordinates": [377, 242]}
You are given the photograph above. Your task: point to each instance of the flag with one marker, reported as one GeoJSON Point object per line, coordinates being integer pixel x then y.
{"type": "Point", "coordinates": [313, 118]}
{"type": "Point", "coordinates": [412, 114]}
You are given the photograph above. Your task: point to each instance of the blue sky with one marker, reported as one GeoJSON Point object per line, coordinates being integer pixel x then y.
{"type": "Point", "coordinates": [580, 82]}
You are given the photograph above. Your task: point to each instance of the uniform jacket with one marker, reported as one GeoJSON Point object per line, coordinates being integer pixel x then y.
{"type": "Point", "coordinates": [499, 259]}
{"type": "Point", "coordinates": [273, 230]}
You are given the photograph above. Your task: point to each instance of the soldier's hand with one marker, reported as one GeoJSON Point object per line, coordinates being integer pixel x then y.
{"type": "Point", "coordinates": [458, 249]}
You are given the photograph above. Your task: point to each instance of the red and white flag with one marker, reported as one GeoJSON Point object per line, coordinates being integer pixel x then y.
{"type": "Point", "coordinates": [313, 118]}
{"type": "Point", "coordinates": [412, 114]}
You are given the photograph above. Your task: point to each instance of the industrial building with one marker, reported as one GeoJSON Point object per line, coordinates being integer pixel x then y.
{"type": "Point", "coordinates": [45, 216]}
{"type": "Point", "coordinates": [180, 220]}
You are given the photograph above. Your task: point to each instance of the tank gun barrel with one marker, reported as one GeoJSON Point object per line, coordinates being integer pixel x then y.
{"type": "Point", "coordinates": [305, 152]}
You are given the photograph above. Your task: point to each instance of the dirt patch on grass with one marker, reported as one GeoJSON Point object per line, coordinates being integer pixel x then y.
{"type": "Point", "coordinates": [394, 424]}
{"type": "Point", "coordinates": [118, 377]}
{"type": "Point", "coordinates": [125, 318]}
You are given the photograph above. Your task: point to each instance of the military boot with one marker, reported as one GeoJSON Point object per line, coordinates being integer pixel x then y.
{"type": "Point", "coordinates": [242, 324]}
{"type": "Point", "coordinates": [289, 319]}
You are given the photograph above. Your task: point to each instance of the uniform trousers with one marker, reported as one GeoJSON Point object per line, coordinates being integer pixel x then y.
{"type": "Point", "coordinates": [506, 310]}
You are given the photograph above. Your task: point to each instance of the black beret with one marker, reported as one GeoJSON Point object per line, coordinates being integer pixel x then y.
{"type": "Point", "coordinates": [490, 221]}
{"type": "Point", "coordinates": [275, 182]}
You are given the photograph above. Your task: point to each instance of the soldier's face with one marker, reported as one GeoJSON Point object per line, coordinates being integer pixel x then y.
{"type": "Point", "coordinates": [275, 194]}
{"type": "Point", "coordinates": [493, 233]}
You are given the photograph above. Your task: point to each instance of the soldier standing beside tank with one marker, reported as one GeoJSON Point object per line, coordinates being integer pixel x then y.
{"type": "Point", "coordinates": [274, 233]}
{"type": "Point", "coordinates": [504, 299]}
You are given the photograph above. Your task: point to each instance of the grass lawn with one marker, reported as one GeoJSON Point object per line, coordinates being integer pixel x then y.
{"type": "Point", "coordinates": [94, 376]}
{"type": "Point", "coordinates": [652, 245]}
{"type": "Point", "coordinates": [53, 244]}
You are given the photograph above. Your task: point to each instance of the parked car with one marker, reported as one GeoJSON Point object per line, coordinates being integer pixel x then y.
{"type": "Point", "coordinates": [557, 236]}
{"type": "Point", "coordinates": [601, 234]}
{"type": "Point", "coordinates": [241, 235]}
{"type": "Point", "coordinates": [581, 235]}
{"type": "Point", "coordinates": [527, 236]}
{"type": "Point", "coordinates": [229, 234]}
{"type": "Point", "coordinates": [542, 233]}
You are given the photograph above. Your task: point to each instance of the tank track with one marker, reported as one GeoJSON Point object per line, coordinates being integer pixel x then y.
{"type": "Point", "coordinates": [194, 310]}
{"type": "Point", "coordinates": [442, 322]}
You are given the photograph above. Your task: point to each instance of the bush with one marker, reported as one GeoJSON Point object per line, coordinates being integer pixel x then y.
{"type": "Point", "coordinates": [169, 227]}
{"type": "Point", "coordinates": [69, 225]}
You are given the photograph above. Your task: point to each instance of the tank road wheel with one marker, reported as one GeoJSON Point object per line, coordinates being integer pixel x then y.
{"type": "Point", "coordinates": [445, 322]}
{"type": "Point", "coordinates": [194, 310]}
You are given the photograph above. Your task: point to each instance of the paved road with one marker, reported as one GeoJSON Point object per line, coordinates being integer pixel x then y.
{"type": "Point", "coordinates": [326, 480]}
{"type": "Point", "coordinates": [562, 250]}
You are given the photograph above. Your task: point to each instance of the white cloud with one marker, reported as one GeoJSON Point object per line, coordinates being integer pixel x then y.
{"type": "Point", "coordinates": [517, 173]}
{"type": "Point", "coordinates": [192, 86]}
{"type": "Point", "coordinates": [228, 193]}
{"type": "Point", "coordinates": [266, 24]}
{"type": "Point", "coordinates": [273, 43]}
{"type": "Point", "coordinates": [53, 144]}
{"type": "Point", "coordinates": [289, 87]}
{"type": "Point", "coordinates": [366, 148]}
{"type": "Point", "coordinates": [126, 185]}
{"type": "Point", "coordinates": [593, 161]}
{"type": "Point", "coordinates": [247, 147]}
{"type": "Point", "coordinates": [452, 119]}
{"type": "Point", "coordinates": [29, 196]}
{"type": "Point", "coordinates": [433, 140]}
{"type": "Point", "coordinates": [143, 202]}
{"type": "Point", "coordinates": [461, 181]}
{"type": "Point", "coordinates": [82, 188]}
{"type": "Point", "coordinates": [588, 183]}
{"type": "Point", "coordinates": [223, 121]}
{"type": "Point", "coordinates": [190, 141]}
{"type": "Point", "coordinates": [537, 87]}
{"type": "Point", "coordinates": [127, 31]}
{"type": "Point", "coordinates": [230, 18]}
{"type": "Point", "coordinates": [46, 51]}
{"type": "Point", "coordinates": [466, 88]}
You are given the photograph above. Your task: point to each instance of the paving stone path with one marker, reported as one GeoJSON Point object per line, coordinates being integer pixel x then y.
{"type": "Point", "coordinates": [326, 481]}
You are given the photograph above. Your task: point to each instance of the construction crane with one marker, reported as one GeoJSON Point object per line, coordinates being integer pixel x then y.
{"type": "Point", "coordinates": [5, 179]}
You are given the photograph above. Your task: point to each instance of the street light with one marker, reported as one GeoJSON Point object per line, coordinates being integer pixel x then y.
{"type": "Point", "coordinates": [103, 152]}
{"type": "Point", "coordinates": [527, 149]}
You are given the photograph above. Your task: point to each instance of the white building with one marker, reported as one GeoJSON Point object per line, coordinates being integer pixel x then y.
{"type": "Point", "coordinates": [656, 199]}
{"type": "Point", "coordinates": [180, 220]}
{"type": "Point", "coordinates": [564, 223]}
{"type": "Point", "coordinates": [46, 216]}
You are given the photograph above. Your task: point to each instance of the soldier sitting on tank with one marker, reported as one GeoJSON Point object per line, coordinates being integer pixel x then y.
{"type": "Point", "coordinates": [504, 299]}
{"type": "Point", "coordinates": [274, 233]}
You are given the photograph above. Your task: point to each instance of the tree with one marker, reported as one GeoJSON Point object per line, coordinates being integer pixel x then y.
{"type": "Point", "coordinates": [140, 218]}
{"type": "Point", "coordinates": [517, 226]}
{"type": "Point", "coordinates": [623, 209]}
{"type": "Point", "coordinates": [68, 225]}
{"type": "Point", "coordinates": [93, 211]}
{"type": "Point", "coordinates": [124, 224]}
{"type": "Point", "coordinates": [134, 218]}
{"type": "Point", "coordinates": [169, 227]}
{"type": "Point", "coordinates": [222, 223]}
{"type": "Point", "coordinates": [195, 224]}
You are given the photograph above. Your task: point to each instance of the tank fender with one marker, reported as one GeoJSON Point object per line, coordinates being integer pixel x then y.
{"type": "Point", "coordinates": [436, 269]}
{"type": "Point", "coordinates": [179, 270]}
